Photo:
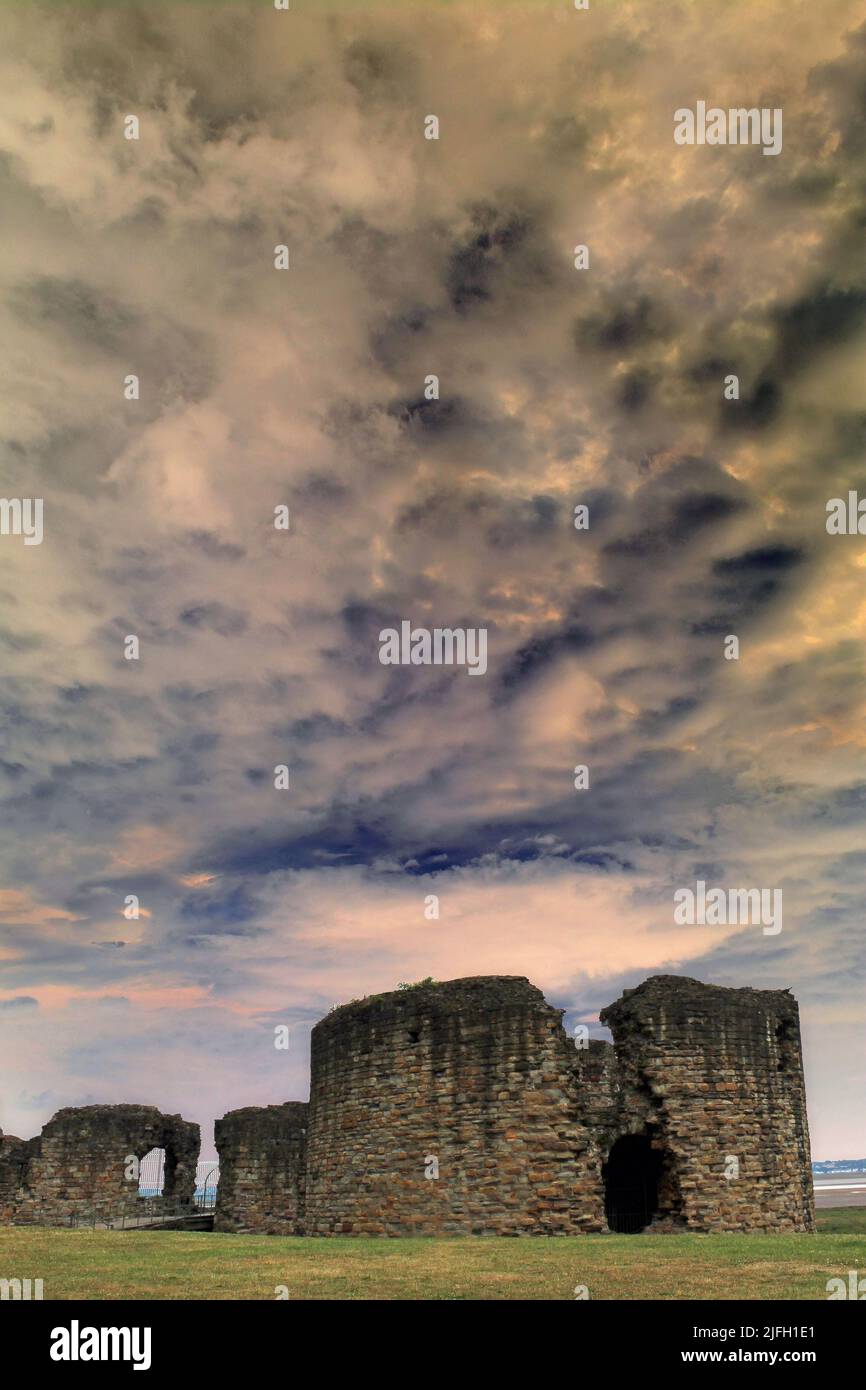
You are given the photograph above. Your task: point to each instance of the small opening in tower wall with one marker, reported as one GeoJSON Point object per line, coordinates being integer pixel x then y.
{"type": "Point", "coordinates": [631, 1182]}
{"type": "Point", "coordinates": [414, 1035]}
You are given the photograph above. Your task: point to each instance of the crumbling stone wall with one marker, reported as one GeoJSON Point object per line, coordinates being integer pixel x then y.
{"type": "Point", "coordinates": [463, 1108]}
{"type": "Point", "coordinates": [13, 1158]}
{"type": "Point", "coordinates": [262, 1169]}
{"type": "Point", "coordinates": [715, 1077]}
{"type": "Point", "coordinates": [77, 1165]}
{"type": "Point", "coordinates": [473, 1079]}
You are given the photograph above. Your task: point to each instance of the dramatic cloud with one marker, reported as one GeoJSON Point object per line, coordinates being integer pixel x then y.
{"type": "Point", "coordinates": [305, 388]}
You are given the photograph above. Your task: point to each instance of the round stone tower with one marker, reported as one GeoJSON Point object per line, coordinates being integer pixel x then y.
{"type": "Point", "coordinates": [448, 1109]}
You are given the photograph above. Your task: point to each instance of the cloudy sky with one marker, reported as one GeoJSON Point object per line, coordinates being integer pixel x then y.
{"type": "Point", "coordinates": [304, 388]}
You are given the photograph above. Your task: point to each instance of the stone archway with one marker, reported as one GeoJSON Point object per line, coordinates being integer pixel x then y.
{"type": "Point", "coordinates": [631, 1177]}
{"type": "Point", "coordinates": [152, 1173]}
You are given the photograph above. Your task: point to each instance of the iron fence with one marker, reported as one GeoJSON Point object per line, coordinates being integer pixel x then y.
{"type": "Point", "coordinates": [629, 1209]}
{"type": "Point", "coordinates": [147, 1211]}
{"type": "Point", "coordinates": [207, 1176]}
{"type": "Point", "coordinates": [151, 1179]}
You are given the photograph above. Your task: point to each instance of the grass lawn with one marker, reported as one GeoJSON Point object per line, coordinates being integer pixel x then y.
{"type": "Point", "coordinates": [194, 1265]}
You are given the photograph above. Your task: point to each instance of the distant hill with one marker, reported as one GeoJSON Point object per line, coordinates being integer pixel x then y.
{"type": "Point", "coordinates": [840, 1165]}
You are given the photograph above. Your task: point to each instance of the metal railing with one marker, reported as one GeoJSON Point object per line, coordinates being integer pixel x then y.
{"type": "Point", "coordinates": [151, 1179]}
{"type": "Point", "coordinates": [206, 1186]}
{"type": "Point", "coordinates": [148, 1211]}
{"type": "Point", "coordinates": [150, 1206]}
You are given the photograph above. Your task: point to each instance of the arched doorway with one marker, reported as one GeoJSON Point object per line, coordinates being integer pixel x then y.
{"type": "Point", "coordinates": [631, 1183]}
{"type": "Point", "coordinates": [152, 1174]}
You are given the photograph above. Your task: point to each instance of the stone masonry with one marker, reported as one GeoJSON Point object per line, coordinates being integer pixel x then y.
{"type": "Point", "coordinates": [77, 1166]}
{"type": "Point", "coordinates": [716, 1075]}
{"type": "Point", "coordinates": [463, 1108]}
{"type": "Point", "coordinates": [262, 1169]}
{"type": "Point", "coordinates": [475, 1074]}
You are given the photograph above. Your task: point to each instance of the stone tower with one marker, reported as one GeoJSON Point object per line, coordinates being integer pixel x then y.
{"type": "Point", "coordinates": [472, 1080]}
{"type": "Point", "coordinates": [713, 1079]}
{"type": "Point", "coordinates": [463, 1108]}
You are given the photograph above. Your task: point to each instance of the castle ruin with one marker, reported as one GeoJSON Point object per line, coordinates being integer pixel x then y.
{"type": "Point", "coordinates": [462, 1108]}
{"type": "Point", "coordinates": [79, 1166]}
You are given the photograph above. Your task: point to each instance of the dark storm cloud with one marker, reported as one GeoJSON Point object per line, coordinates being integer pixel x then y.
{"type": "Point", "coordinates": [502, 252]}
{"type": "Point", "coordinates": [536, 655]}
{"type": "Point", "coordinates": [228, 910]}
{"type": "Point", "coordinates": [215, 617]}
{"type": "Point", "coordinates": [826, 318]}
{"type": "Point", "coordinates": [215, 548]}
{"type": "Point", "coordinates": [88, 315]}
{"type": "Point", "coordinates": [632, 321]}
{"type": "Point", "coordinates": [345, 838]}
{"type": "Point", "coordinates": [380, 71]}
{"type": "Point", "coordinates": [745, 584]}
{"type": "Point", "coordinates": [842, 83]}
{"type": "Point", "coordinates": [175, 359]}
{"type": "Point", "coordinates": [399, 333]}
{"type": "Point", "coordinates": [805, 330]}
{"type": "Point", "coordinates": [677, 521]}
{"type": "Point", "coordinates": [432, 417]}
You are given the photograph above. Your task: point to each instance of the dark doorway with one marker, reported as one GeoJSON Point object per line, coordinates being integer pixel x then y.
{"type": "Point", "coordinates": [631, 1179]}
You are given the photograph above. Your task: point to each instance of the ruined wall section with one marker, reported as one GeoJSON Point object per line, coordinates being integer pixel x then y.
{"type": "Point", "coordinates": [476, 1074]}
{"type": "Point", "coordinates": [611, 1104]}
{"type": "Point", "coordinates": [463, 1108]}
{"type": "Point", "coordinates": [715, 1074]}
{"type": "Point", "coordinates": [262, 1152]}
{"type": "Point", "coordinates": [77, 1166]}
{"type": "Point", "coordinates": [14, 1154]}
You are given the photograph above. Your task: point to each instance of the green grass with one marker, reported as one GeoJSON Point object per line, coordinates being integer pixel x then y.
{"type": "Point", "coordinates": [193, 1265]}
{"type": "Point", "coordinates": [842, 1221]}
